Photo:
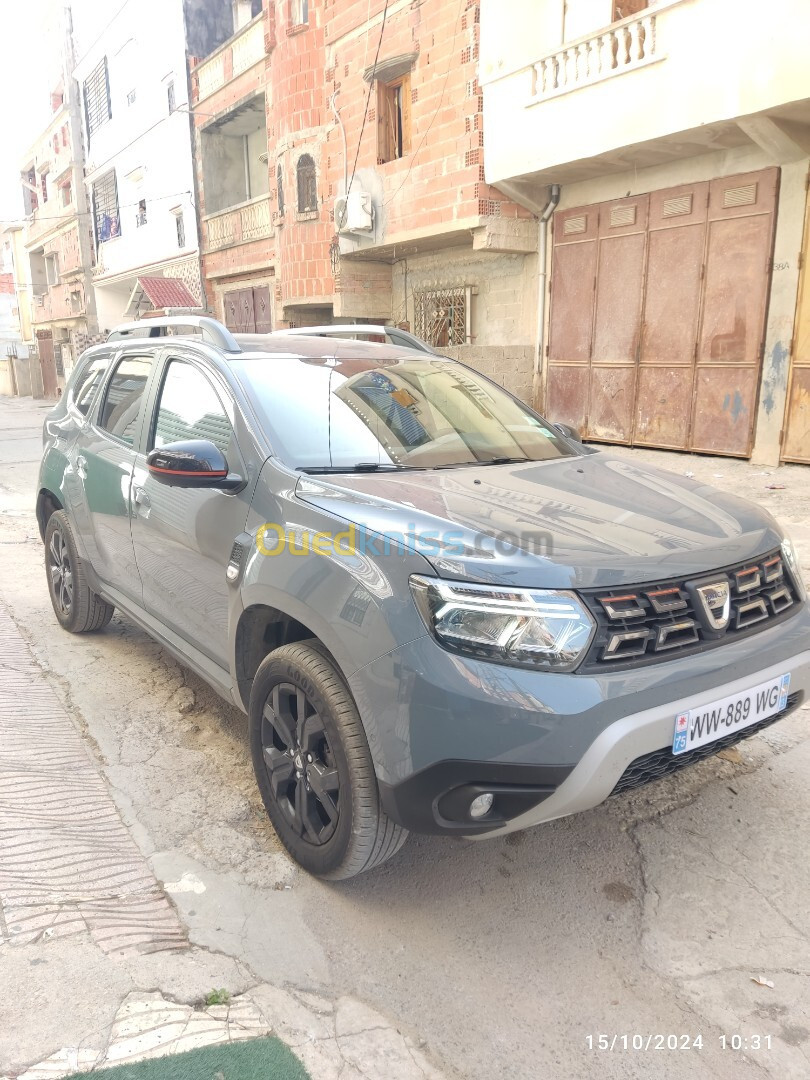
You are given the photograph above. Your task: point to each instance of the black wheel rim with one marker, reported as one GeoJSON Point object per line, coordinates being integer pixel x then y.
{"type": "Point", "coordinates": [61, 572]}
{"type": "Point", "coordinates": [300, 764]}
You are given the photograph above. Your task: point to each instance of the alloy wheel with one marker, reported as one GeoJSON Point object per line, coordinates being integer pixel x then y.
{"type": "Point", "coordinates": [61, 572]}
{"type": "Point", "coordinates": [300, 764]}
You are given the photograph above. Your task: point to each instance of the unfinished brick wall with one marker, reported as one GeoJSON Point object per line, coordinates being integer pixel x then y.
{"type": "Point", "coordinates": [441, 180]}
{"type": "Point", "coordinates": [437, 188]}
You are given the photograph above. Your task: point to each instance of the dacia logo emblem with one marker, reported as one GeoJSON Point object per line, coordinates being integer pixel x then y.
{"type": "Point", "coordinates": [714, 601]}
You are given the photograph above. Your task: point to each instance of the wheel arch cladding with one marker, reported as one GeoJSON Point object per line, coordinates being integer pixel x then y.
{"type": "Point", "coordinates": [260, 630]}
{"type": "Point", "coordinates": [47, 505]}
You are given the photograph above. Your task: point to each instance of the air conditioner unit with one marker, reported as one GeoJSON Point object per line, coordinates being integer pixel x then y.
{"type": "Point", "coordinates": [355, 213]}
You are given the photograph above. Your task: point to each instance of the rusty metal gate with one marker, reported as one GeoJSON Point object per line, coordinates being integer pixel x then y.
{"type": "Point", "coordinates": [657, 318]}
{"type": "Point", "coordinates": [796, 446]}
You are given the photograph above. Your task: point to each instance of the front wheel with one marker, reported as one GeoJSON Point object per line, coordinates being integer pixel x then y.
{"type": "Point", "coordinates": [314, 768]}
{"type": "Point", "coordinates": [75, 605]}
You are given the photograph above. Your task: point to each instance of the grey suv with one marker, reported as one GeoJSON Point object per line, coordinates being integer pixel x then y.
{"type": "Point", "coordinates": [439, 612]}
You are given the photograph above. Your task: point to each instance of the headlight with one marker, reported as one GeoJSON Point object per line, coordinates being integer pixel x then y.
{"type": "Point", "coordinates": [537, 628]}
{"type": "Point", "coordinates": [792, 563]}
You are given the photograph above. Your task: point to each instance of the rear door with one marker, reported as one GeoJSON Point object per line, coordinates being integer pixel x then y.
{"type": "Point", "coordinates": [183, 536]}
{"type": "Point", "coordinates": [105, 457]}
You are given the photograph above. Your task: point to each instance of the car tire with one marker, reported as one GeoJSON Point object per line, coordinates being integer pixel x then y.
{"type": "Point", "coordinates": [313, 765]}
{"type": "Point", "coordinates": [75, 605]}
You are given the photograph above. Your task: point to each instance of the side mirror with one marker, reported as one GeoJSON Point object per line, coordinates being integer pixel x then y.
{"type": "Point", "coordinates": [192, 463]}
{"type": "Point", "coordinates": [569, 432]}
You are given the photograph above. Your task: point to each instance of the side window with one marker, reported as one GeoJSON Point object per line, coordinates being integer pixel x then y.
{"type": "Point", "coordinates": [88, 381]}
{"type": "Point", "coordinates": [188, 408]}
{"type": "Point", "coordinates": [122, 403]}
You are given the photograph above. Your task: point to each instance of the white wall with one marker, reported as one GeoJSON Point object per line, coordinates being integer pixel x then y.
{"type": "Point", "coordinates": [714, 61]}
{"type": "Point", "coordinates": [149, 148]}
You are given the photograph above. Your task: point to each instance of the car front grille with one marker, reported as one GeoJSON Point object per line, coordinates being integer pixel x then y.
{"type": "Point", "coordinates": [660, 763]}
{"type": "Point", "coordinates": [649, 623]}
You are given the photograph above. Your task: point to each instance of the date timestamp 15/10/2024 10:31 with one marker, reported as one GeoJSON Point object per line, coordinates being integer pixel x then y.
{"type": "Point", "coordinates": [675, 1042]}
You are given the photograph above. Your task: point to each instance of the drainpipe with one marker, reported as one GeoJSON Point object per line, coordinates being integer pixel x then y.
{"type": "Point", "coordinates": [539, 381]}
{"type": "Point", "coordinates": [333, 107]}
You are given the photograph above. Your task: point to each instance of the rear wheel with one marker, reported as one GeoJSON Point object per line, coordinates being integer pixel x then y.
{"type": "Point", "coordinates": [314, 768]}
{"type": "Point", "coordinates": [76, 606]}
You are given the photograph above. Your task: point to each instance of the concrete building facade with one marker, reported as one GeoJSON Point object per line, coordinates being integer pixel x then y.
{"type": "Point", "coordinates": [57, 239]}
{"type": "Point", "coordinates": [139, 173]}
{"type": "Point", "coordinates": [675, 138]}
{"type": "Point", "coordinates": [373, 204]}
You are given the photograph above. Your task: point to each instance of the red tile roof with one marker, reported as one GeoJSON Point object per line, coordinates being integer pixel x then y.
{"type": "Point", "coordinates": [166, 292]}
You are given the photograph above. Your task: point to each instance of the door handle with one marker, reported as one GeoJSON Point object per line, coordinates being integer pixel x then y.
{"type": "Point", "coordinates": [142, 499]}
{"type": "Point", "coordinates": [81, 466]}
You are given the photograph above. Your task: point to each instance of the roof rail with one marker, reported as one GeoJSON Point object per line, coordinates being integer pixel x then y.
{"type": "Point", "coordinates": [212, 331]}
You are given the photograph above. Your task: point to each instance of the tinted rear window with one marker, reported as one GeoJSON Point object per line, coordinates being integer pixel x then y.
{"type": "Point", "coordinates": [122, 402]}
{"type": "Point", "coordinates": [87, 383]}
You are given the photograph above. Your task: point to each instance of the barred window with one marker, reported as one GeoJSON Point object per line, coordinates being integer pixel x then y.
{"type": "Point", "coordinates": [96, 92]}
{"type": "Point", "coordinates": [105, 208]}
{"type": "Point", "coordinates": [307, 184]}
{"type": "Point", "coordinates": [442, 316]}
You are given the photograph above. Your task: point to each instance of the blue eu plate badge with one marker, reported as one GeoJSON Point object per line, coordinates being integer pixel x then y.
{"type": "Point", "coordinates": [681, 725]}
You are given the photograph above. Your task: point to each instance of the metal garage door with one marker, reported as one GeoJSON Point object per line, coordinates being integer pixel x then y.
{"type": "Point", "coordinates": [657, 319]}
{"type": "Point", "coordinates": [796, 446]}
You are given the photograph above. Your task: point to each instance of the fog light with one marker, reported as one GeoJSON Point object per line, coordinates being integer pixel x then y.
{"type": "Point", "coordinates": [481, 805]}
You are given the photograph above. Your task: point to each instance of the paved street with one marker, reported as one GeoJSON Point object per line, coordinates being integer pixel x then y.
{"type": "Point", "coordinates": [650, 915]}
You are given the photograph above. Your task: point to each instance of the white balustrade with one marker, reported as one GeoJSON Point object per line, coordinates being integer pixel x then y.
{"type": "Point", "coordinates": [210, 75]}
{"type": "Point", "coordinates": [626, 45]}
{"type": "Point", "coordinates": [248, 49]}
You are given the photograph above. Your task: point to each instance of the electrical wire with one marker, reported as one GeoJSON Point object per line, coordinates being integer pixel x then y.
{"type": "Point", "coordinates": [89, 213]}
{"type": "Point", "coordinates": [368, 97]}
{"type": "Point", "coordinates": [391, 198]}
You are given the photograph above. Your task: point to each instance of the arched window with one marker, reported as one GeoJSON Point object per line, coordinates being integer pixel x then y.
{"type": "Point", "coordinates": [280, 188]}
{"type": "Point", "coordinates": [307, 184]}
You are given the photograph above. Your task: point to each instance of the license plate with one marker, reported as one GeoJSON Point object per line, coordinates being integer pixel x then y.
{"type": "Point", "coordinates": [696, 727]}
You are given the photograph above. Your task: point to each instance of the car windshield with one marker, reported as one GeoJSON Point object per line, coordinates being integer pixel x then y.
{"type": "Point", "coordinates": [335, 414]}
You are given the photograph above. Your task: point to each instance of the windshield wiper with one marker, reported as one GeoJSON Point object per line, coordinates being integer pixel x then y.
{"type": "Point", "coordinates": [489, 461]}
{"type": "Point", "coordinates": [360, 467]}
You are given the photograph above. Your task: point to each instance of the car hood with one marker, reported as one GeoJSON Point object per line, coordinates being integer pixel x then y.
{"type": "Point", "coordinates": [578, 521]}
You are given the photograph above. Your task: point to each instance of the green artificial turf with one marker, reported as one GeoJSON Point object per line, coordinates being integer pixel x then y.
{"type": "Point", "coordinates": [254, 1059]}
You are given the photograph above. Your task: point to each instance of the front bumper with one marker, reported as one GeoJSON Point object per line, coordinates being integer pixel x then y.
{"type": "Point", "coordinates": [556, 743]}
{"type": "Point", "coordinates": [623, 743]}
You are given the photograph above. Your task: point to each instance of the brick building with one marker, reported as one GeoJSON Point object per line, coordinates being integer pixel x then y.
{"type": "Point", "coordinates": [381, 100]}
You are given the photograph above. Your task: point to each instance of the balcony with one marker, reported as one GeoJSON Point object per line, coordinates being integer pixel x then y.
{"type": "Point", "coordinates": [623, 47]}
{"type": "Point", "coordinates": [236, 55]}
{"type": "Point", "coordinates": [238, 225]}
{"type": "Point", "coordinates": [671, 81]}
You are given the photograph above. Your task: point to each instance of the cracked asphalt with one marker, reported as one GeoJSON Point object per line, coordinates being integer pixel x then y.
{"type": "Point", "coordinates": [650, 915]}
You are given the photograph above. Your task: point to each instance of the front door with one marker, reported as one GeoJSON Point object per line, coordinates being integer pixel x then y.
{"type": "Point", "coordinates": [47, 362]}
{"type": "Point", "coordinates": [105, 456]}
{"type": "Point", "coordinates": [183, 536]}
{"type": "Point", "coordinates": [247, 311]}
